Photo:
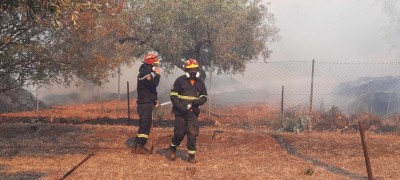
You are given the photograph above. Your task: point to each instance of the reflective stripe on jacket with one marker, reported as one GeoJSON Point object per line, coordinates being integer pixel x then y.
{"type": "Point", "coordinates": [184, 93]}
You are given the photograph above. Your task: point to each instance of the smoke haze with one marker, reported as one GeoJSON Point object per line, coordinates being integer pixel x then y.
{"type": "Point", "coordinates": [332, 33]}
{"type": "Point", "coordinates": [331, 30]}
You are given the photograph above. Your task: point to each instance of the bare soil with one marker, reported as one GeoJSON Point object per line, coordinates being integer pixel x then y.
{"type": "Point", "coordinates": [31, 148]}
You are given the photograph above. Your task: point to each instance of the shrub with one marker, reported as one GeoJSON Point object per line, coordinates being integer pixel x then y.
{"type": "Point", "coordinates": [293, 124]}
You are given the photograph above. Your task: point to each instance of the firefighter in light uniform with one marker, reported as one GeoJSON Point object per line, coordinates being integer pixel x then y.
{"type": "Point", "coordinates": [188, 93]}
{"type": "Point", "coordinates": [147, 82]}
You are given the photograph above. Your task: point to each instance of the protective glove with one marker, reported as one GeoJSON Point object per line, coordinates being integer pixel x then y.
{"type": "Point", "coordinates": [196, 102]}
{"type": "Point", "coordinates": [199, 102]}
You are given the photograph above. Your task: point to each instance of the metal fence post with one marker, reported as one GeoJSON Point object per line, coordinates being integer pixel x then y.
{"type": "Point", "coordinates": [312, 85]}
{"type": "Point", "coordinates": [283, 87]}
{"type": "Point", "coordinates": [129, 109]}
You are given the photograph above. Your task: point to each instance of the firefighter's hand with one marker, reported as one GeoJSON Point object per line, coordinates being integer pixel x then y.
{"type": "Point", "coordinates": [189, 107]}
{"type": "Point", "coordinates": [156, 70]}
{"type": "Point", "coordinates": [157, 105]}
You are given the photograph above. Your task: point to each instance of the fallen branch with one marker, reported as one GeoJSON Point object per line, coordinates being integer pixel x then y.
{"type": "Point", "coordinates": [355, 122]}
{"type": "Point", "coordinates": [76, 167]}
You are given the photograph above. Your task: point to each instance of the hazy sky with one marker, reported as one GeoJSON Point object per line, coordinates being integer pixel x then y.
{"type": "Point", "coordinates": [331, 30]}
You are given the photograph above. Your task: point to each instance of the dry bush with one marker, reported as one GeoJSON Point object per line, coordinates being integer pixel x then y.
{"type": "Point", "coordinates": [390, 125]}
{"type": "Point", "coordinates": [333, 119]}
{"type": "Point", "coordinates": [369, 121]}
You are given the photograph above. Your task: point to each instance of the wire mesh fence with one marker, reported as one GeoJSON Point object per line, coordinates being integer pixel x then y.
{"type": "Point", "coordinates": [351, 87]}
{"type": "Point", "coordinates": [309, 94]}
{"type": "Point", "coordinates": [268, 89]}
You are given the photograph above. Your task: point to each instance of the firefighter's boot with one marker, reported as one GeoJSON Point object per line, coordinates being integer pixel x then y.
{"type": "Point", "coordinates": [140, 149]}
{"type": "Point", "coordinates": [172, 153]}
{"type": "Point", "coordinates": [192, 159]}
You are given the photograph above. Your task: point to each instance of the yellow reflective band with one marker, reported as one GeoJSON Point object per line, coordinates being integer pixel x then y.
{"type": "Point", "coordinates": [187, 97]}
{"type": "Point", "coordinates": [184, 97]}
{"type": "Point", "coordinates": [192, 66]}
{"type": "Point", "coordinates": [191, 152]}
{"type": "Point", "coordinates": [143, 136]}
{"type": "Point", "coordinates": [173, 94]}
{"type": "Point", "coordinates": [203, 96]}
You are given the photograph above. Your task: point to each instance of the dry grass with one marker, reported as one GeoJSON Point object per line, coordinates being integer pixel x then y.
{"type": "Point", "coordinates": [243, 116]}
{"type": "Point", "coordinates": [82, 111]}
{"type": "Point", "coordinates": [238, 153]}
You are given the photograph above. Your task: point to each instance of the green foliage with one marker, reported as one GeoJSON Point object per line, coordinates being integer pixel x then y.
{"type": "Point", "coordinates": [42, 42]}
{"type": "Point", "coordinates": [220, 34]}
{"type": "Point", "coordinates": [36, 49]}
{"type": "Point", "coordinates": [59, 12]}
{"type": "Point", "coordinates": [293, 124]}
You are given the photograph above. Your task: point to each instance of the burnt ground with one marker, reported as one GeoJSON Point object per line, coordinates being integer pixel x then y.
{"type": "Point", "coordinates": [40, 150]}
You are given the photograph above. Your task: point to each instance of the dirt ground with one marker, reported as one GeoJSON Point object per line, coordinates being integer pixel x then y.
{"type": "Point", "coordinates": [91, 141]}
{"type": "Point", "coordinates": [52, 150]}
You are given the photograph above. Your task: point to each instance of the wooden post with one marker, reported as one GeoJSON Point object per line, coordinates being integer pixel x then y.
{"type": "Point", "coordinates": [119, 94]}
{"type": "Point", "coordinates": [366, 156]}
{"type": "Point", "coordinates": [37, 103]}
{"type": "Point", "coordinates": [209, 97]}
{"type": "Point", "coordinates": [129, 109]}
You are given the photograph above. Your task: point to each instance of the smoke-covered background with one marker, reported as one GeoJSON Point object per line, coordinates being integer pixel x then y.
{"type": "Point", "coordinates": [352, 43]}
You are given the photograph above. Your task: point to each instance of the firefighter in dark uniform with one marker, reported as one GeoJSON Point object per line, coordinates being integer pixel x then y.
{"type": "Point", "coordinates": [147, 82]}
{"type": "Point", "coordinates": [189, 92]}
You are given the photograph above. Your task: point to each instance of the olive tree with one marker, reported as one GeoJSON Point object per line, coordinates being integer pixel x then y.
{"type": "Point", "coordinates": [36, 36]}
{"type": "Point", "coordinates": [220, 34]}
{"type": "Point", "coordinates": [55, 41]}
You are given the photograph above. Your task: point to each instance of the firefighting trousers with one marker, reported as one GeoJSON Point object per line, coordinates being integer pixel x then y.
{"type": "Point", "coordinates": [186, 125]}
{"type": "Point", "coordinates": [145, 121]}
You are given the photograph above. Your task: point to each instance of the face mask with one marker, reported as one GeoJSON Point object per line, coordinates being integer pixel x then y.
{"type": "Point", "coordinates": [192, 75]}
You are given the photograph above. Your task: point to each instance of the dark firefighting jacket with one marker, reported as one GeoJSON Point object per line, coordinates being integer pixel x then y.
{"type": "Point", "coordinates": [184, 93]}
{"type": "Point", "coordinates": [147, 83]}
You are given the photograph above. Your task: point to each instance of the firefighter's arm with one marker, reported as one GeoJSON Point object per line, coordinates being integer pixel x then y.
{"type": "Point", "coordinates": [202, 97]}
{"type": "Point", "coordinates": [154, 80]}
{"type": "Point", "coordinates": [174, 96]}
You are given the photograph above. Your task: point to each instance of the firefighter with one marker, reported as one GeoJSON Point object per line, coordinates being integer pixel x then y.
{"type": "Point", "coordinates": [188, 93]}
{"type": "Point", "coordinates": [147, 82]}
